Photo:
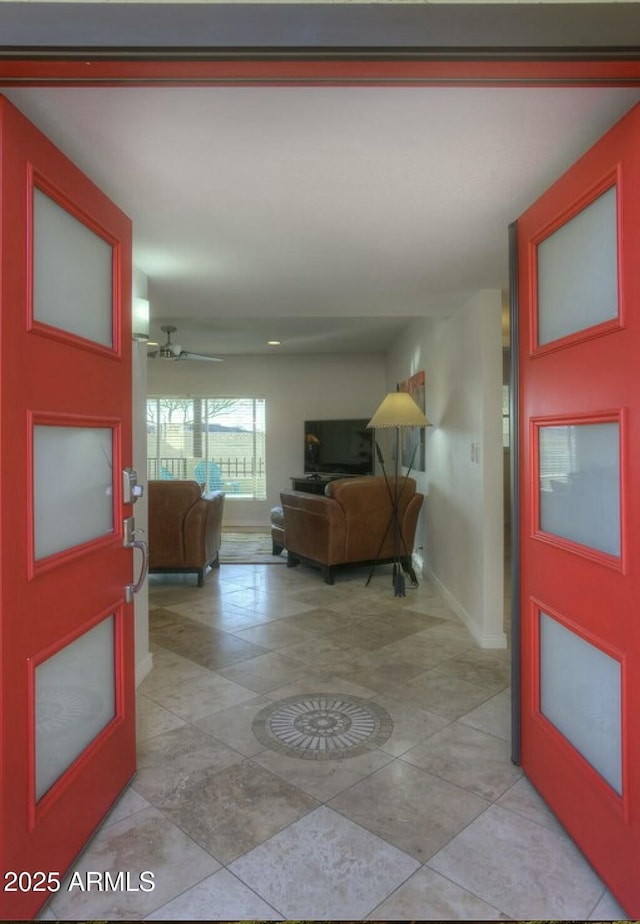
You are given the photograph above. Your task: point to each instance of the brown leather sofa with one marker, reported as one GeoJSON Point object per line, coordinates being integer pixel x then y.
{"type": "Point", "coordinates": [352, 523]}
{"type": "Point", "coordinates": [184, 527]}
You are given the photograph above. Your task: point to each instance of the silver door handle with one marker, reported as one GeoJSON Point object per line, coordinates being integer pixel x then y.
{"type": "Point", "coordinates": [130, 542]}
{"type": "Point", "coordinates": [132, 589]}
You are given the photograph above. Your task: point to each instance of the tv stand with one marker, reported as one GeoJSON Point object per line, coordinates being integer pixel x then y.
{"type": "Point", "coordinates": [313, 483]}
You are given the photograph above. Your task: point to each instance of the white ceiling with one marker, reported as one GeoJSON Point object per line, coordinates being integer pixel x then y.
{"type": "Point", "coordinates": [326, 217]}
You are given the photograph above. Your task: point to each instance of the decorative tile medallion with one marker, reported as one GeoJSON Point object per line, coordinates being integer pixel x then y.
{"type": "Point", "coordinates": [322, 726]}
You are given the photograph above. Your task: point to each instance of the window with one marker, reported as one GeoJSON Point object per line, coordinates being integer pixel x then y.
{"type": "Point", "coordinates": [216, 441]}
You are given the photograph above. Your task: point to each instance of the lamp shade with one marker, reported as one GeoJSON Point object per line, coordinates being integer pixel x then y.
{"type": "Point", "coordinates": [398, 410]}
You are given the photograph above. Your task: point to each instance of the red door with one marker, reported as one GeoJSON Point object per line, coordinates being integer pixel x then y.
{"type": "Point", "coordinates": [579, 284]}
{"type": "Point", "coordinates": [67, 690]}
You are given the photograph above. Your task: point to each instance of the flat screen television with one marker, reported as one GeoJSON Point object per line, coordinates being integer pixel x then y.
{"type": "Point", "coordinates": [338, 447]}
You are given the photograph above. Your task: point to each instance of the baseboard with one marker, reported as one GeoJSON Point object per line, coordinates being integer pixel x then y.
{"type": "Point", "coordinates": [488, 640]}
{"type": "Point", "coordinates": [143, 668]}
{"type": "Point", "coordinates": [496, 640]}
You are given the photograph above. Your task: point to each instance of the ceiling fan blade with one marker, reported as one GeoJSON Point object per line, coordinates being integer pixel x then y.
{"type": "Point", "coordinates": [171, 350]}
{"type": "Point", "coordinates": [185, 354]}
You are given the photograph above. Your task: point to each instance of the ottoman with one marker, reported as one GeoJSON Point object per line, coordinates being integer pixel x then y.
{"type": "Point", "coordinates": [277, 529]}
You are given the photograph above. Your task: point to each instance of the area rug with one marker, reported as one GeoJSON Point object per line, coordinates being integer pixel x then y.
{"type": "Point", "coordinates": [249, 548]}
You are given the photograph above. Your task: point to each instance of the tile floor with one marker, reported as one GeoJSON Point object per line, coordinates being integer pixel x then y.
{"type": "Point", "coordinates": [432, 822]}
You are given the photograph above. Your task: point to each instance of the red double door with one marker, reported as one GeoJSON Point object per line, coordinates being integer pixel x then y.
{"type": "Point", "coordinates": [579, 358]}
{"type": "Point", "coordinates": [67, 724]}
{"type": "Point", "coordinates": [66, 708]}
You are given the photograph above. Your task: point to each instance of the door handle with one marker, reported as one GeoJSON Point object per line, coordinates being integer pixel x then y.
{"type": "Point", "coordinates": [130, 542]}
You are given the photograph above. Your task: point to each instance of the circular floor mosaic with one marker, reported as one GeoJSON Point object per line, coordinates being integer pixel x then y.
{"type": "Point", "coordinates": [322, 726]}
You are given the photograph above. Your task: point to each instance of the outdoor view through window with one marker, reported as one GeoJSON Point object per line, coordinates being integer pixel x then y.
{"type": "Point", "coordinates": [216, 441]}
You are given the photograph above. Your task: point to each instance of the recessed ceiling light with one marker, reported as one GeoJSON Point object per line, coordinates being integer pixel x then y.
{"type": "Point", "coordinates": [274, 342]}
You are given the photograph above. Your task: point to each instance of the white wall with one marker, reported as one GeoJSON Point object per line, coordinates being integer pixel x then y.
{"type": "Point", "coordinates": [144, 661]}
{"type": "Point", "coordinates": [296, 388]}
{"type": "Point", "coordinates": [461, 526]}
{"type": "Point", "coordinates": [143, 657]}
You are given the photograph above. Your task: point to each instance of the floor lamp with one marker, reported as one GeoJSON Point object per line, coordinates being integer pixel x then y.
{"type": "Point", "coordinates": [397, 411]}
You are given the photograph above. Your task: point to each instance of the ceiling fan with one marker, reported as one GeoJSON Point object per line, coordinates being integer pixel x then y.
{"type": "Point", "coordinates": [170, 350]}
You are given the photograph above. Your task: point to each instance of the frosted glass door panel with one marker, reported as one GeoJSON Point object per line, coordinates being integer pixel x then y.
{"type": "Point", "coordinates": [580, 695]}
{"type": "Point", "coordinates": [580, 484]}
{"type": "Point", "coordinates": [73, 491]}
{"type": "Point", "coordinates": [578, 272]}
{"type": "Point", "coordinates": [72, 273]}
{"type": "Point", "coordinates": [75, 700]}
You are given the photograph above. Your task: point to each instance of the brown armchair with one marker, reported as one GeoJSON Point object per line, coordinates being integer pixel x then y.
{"type": "Point", "coordinates": [350, 524]}
{"type": "Point", "coordinates": [184, 527]}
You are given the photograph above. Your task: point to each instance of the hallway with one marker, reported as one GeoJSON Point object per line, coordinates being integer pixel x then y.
{"type": "Point", "coordinates": [388, 795]}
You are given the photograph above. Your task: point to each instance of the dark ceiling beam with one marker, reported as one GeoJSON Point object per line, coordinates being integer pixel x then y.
{"type": "Point", "coordinates": [397, 29]}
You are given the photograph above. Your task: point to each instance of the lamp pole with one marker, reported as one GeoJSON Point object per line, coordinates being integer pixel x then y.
{"type": "Point", "coordinates": [397, 410]}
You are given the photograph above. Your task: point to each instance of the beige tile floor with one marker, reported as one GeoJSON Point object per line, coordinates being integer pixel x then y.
{"type": "Point", "coordinates": [433, 823]}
